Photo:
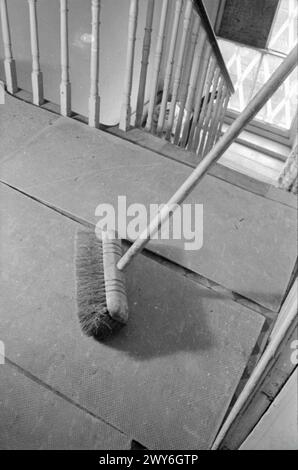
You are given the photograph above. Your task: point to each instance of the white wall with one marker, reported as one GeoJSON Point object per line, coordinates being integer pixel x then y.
{"type": "Point", "coordinates": [277, 430]}
{"type": "Point", "coordinates": [113, 44]}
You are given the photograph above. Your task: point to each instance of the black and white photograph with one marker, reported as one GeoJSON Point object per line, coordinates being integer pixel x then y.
{"type": "Point", "coordinates": [148, 230]}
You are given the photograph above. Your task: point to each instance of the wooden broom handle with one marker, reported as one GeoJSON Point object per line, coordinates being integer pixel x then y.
{"type": "Point", "coordinates": [217, 151]}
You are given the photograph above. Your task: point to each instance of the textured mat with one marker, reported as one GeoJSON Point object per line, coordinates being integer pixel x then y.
{"type": "Point", "coordinates": [166, 380]}
{"type": "Point", "coordinates": [34, 417]}
{"type": "Point", "coordinates": [249, 241]}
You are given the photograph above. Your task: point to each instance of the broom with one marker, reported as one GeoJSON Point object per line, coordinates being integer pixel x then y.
{"type": "Point", "coordinates": [100, 283]}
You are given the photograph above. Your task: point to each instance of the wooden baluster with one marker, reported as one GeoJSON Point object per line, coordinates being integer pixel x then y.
{"type": "Point", "coordinates": [210, 105]}
{"type": "Point", "coordinates": [203, 72]}
{"type": "Point", "coordinates": [179, 67]}
{"type": "Point", "coordinates": [222, 114]}
{"type": "Point", "coordinates": [144, 62]}
{"type": "Point", "coordinates": [215, 115]}
{"type": "Point", "coordinates": [37, 79]}
{"type": "Point", "coordinates": [2, 92]}
{"type": "Point", "coordinates": [9, 62]}
{"type": "Point", "coordinates": [125, 114]}
{"type": "Point", "coordinates": [94, 99]}
{"type": "Point", "coordinates": [65, 86]}
{"type": "Point", "coordinates": [201, 124]}
{"type": "Point", "coordinates": [169, 67]}
{"type": "Point", "coordinates": [193, 81]}
{"type": "Point", "coordinates": [186, 78]}
{"type": "Point", "coordinates": [206, 95]}
{"type": "Point", "coordinates": [204, 104]}
{"type": "Point", "coordinates": [158, 56]}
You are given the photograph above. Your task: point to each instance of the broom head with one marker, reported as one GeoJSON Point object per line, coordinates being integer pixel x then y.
{"type": "Point", "coordinates": [100, 287]}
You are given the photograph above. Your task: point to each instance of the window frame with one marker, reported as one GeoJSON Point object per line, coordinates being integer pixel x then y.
{"type": "Point", "coordinates": [263, 128]}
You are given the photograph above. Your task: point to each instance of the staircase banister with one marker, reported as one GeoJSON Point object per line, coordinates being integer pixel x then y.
{"type": "Point", "coordinates": [201, 10]}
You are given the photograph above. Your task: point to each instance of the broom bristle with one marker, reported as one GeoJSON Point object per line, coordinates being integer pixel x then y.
{"type": "Point", "coordinates": [92, 308]}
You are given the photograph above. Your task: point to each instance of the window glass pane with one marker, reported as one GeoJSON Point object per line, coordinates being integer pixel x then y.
{"type": "Point", "coordinates": [250, 70]}
{"type": "Point", "coordinates": [281, 108]}
{"type": "Point", "coordinates": [269, 64]}
{"type": "Point", "coordinates": [283, 36]}
{"type": "Point", "coordinates": [242, 63]}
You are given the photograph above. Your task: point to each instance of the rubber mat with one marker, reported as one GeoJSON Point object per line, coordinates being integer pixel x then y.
{"type": "Point", "coordinates": [165, 380]}
{"type": "Point", "coordinates": [249, 243]}
{"type": "Point", "coordinates": [33, 417]}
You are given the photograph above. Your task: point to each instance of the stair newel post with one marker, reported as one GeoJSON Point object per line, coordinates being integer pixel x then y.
{"type": "Point", "coordinates": [94, 99]}
{"type": "Point", "coordinates": [65, 86]}
{"type": "Point", "coordinates": [36, 76]}
{"type": "Point", "coordinates": [9, 62]}
{"type": "Point", "coordinates": [169, 67]}
{"type": "Point", "coordinates": [204, 66]}
{"type": "Point", "coordinates": [210, 106]}
{"type": "Point", "coordinates": [144, 62]}
{"type": "Point", "coordinates": [125, 114]}
{"type": "Point", "coordinates": [186, 76]}
{"type": "Point", "coordinates": [179, 67]}
{"type": "Point", "coordinates": [157, 62]}
{"type": "Point", "coordinates": [193, 81]}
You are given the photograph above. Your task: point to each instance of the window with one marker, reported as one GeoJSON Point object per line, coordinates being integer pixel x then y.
{"type": "Point", "coordinates": [283, 36]}
{"type": "Point", "coordinates": [250, 68]}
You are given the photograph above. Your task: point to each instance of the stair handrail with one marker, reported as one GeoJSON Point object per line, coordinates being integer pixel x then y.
{"type": "Point", "coordinates": [202, 12]}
